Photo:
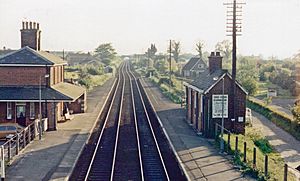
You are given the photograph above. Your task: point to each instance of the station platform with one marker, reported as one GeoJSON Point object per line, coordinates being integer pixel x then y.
{"type": "Point", "coordinates": [201, 161]}
{"type": "Point", "coordinates": [53, 157]}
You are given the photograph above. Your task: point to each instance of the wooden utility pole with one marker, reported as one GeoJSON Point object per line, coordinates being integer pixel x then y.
{"type": "Point", "coordinates": [234, 13]}
{"type": "Point", "coordinates": [170, 66]}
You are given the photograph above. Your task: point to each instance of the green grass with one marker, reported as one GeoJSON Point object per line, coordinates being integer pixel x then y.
{"type": "Point", "coordinates": [174, 92]}
{"type": "Point", "coordinates": [253, 139]}
{"type": "Point", "coordinates": [92, 81]}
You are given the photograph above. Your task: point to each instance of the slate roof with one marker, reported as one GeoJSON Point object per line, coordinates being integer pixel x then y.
{"type": "Point", "coordinates": [31, 93]}
{"type": "Point", "coordinates": [192, 63]}
{"type": "Point", "coordinates": [205, 80]}
{"type": "Point", "coordinates": [81, 58]}
{"type": "Point", "coordinates": [70, 90]}
{"type": "Point", "coordinates": [5, 52]}
{"type": "Point", "coordinates": [28, 56]}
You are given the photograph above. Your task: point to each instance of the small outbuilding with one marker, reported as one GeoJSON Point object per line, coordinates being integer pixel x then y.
{"type": "Point", "coordinates": [206, 94]}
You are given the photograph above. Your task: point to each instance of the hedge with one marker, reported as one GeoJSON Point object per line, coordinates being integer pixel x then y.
{"type": "Point", "coordinates": [280, 119]}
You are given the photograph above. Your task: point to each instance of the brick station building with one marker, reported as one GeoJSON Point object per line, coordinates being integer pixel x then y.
{"type": "Point", "coordinates": [204, 98]}
{"type": "Point", "coordinates": [23, 73]}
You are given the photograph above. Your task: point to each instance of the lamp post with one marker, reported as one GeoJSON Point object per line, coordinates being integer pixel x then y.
{"type": "Point", "coordinates": [40, 106]}
{"type": "Point", "coordinates": [222, 126]}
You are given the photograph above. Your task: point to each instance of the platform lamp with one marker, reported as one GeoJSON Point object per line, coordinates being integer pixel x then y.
{"type": "Point", "coordinates": [222, 126]}
{"type": "Point", "coordinates": [40, 105]}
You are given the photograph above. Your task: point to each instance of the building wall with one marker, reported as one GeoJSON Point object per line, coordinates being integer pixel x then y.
{"type": "Point", "coordinates": [56, 74]}
{"type": "Point", "coordinates": [19, 76]}
{"type": "Point", "coordinates": [206, 123]}
{"type": "Point", "coordinates": [78, 106]}
{"type": "Point", "coordinates": [235, 126]}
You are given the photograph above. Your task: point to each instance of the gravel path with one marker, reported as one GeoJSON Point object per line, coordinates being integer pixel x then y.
{"type": "Point", "coordinates": [283, 142]}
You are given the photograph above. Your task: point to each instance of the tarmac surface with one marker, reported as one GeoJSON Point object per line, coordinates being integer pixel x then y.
{"type": "Point", "coordinates": [53, 157]}
{"type": "Point", "coordinates": [199, 158]}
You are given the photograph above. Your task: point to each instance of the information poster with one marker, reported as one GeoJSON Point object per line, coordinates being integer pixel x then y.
{"type": "Point", "coordinates": [217, 106]}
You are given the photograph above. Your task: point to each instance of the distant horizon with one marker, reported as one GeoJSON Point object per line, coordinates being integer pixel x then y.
{"type": "Point", "coordinates": [270, 27]}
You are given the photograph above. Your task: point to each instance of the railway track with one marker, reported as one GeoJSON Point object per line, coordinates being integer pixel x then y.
{"type": "Point", "coordinates": [128, 143]}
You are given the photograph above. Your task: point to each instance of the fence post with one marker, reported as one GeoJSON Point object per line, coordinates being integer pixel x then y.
{"type": "Point", "coordinates": [17, 144]}
{"type": "Point", "coordinates": [2, 163]}
{"type": "Point", "coordinates": [9, 150]}
{"type": "Point", "coordinates": [35, 129]}
{"type": "Point", "coordinates": [40, 129]}
{"type": "Point", "coordinates": [24, 138]}
{"type": "Point", "coordinates": [245, 151]}
{"type": "Point", "coordinates": [29, 134]}
{"type": "Point", "coordinates": [236, 146]}
{"type": "Point", "coordinates": [254, 157]}
{"type": "Point", "coordinates": [266, 165]}
{"type": "Point", "coordinates": [228, 143]}
{"type": "Point", "coordinates": [285, 175]}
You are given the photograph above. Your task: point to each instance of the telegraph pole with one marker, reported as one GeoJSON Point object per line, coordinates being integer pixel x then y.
{"type": "Point", "coordinates": [234, 28]}
{"type": "Point", "coordinates": [170, 66]}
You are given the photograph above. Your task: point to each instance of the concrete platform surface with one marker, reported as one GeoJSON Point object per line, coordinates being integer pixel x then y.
{"type": "Point", "coordinates": [53, 157]}
{"type": "Point", "coordinates": [200, 159]}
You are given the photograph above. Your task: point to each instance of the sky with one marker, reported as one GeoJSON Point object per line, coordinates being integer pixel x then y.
{"type": "Point", "coordinates": [270, 27]}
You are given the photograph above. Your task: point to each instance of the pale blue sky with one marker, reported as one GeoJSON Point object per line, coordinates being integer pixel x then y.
{"type": "Point", "coordinates": [270, 27]}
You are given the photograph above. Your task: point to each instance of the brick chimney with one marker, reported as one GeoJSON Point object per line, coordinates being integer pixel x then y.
{"type": "Point", "coordinates": [31, 35]}
{"type": "Point", "coordinates": [215, 61]}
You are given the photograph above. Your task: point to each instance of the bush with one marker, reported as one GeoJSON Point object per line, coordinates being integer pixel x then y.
{"type": "Point", "coordinates": [264, 145]}
{"type": "Point", "coordinates": [86, 81]}
{"type": "Point", "coordinates": [94, 70]}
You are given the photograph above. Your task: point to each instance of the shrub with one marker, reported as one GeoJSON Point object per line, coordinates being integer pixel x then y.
{"type": "Point", "coordinates": [282, 120]}
{"type": "Point", "coordinates": [94, 70]}
{"type": "Point", "coordinates": [86, 81]}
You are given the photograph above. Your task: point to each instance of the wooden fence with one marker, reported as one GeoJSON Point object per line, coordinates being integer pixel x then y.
{"type": "Point", "coordinates": [244, 156]}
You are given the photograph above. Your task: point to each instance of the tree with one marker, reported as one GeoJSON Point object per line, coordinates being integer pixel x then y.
{"type": "Point", "coordinates": [105, 52]}
{"type": "Point", "coordinates": [247, 74]}
{"type": "Point", "coordinates": [150, 53]}
{"type": "Point", "coordinates": [199, 48]}
{"type": "Point", "coordinates": [225, 47]}
{"type": "Point", "coordinates": [176, 50]}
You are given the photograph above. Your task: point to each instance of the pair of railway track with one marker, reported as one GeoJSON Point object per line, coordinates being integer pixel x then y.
{"type": "Point", "coordinates": [127, 143]}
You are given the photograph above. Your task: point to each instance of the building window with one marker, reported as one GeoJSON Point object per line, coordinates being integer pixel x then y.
{"type": "Point", "coordinates": [32, 110]}
{"type": "Point", "coordinates": [200, 66]}
{"type": "Point", "coordinates": [8, 110]}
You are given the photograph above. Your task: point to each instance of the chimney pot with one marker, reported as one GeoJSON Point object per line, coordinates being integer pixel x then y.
{"type": "Point", "coordinates": [23, 25]}
{"type": "Point", "coordinates": [212, 54]}
{"type": "Point", "coordinates": [31, 35]}
{"type": "Point", "coordinates": [218, 54]}
{"type": "Point", "coordinates": [37, 26]}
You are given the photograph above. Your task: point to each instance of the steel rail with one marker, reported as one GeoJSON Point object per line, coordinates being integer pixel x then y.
{"type": "Point", "coordinates": [135, 123]}
{"type": "Point", "coordinates": [104, 125]}
{"type": "Point", "coordinates": [118, 127]}
{"type": "Point", "coordinates": [150, 125]}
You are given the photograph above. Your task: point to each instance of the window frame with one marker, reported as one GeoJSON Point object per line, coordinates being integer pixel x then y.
{"type": "Point", "coordinates": [8, 107]}
{"type": "Point", "coordinates": [31, 110]}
